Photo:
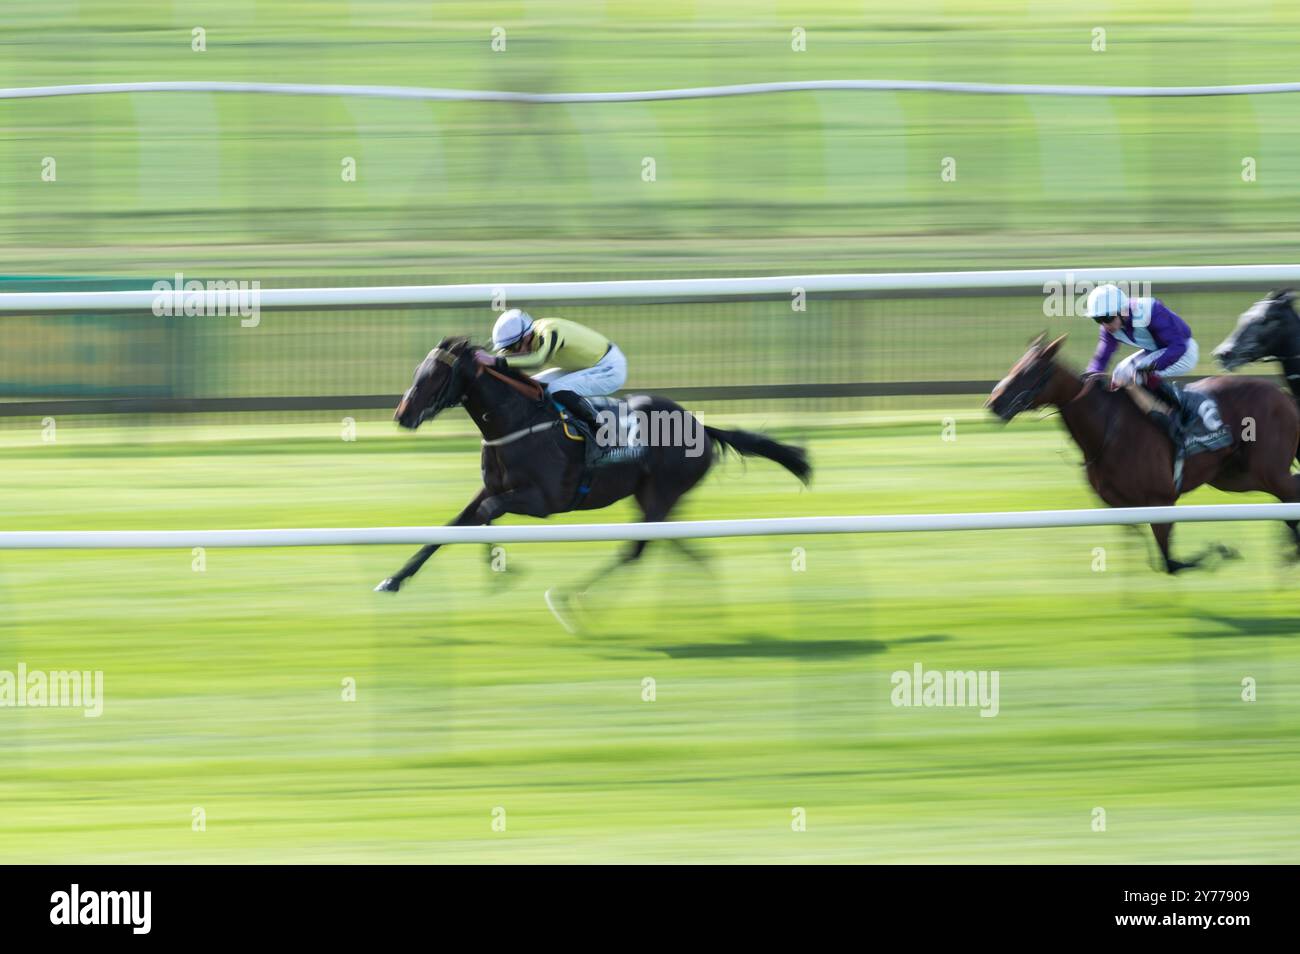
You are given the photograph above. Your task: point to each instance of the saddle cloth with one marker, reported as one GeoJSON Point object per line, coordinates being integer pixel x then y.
{"type": "Point", "coordinates": [1203, 428]}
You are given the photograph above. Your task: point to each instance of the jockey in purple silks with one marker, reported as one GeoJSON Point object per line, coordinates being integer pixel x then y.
{"type": "Point", "coordinates": [1166, 345]}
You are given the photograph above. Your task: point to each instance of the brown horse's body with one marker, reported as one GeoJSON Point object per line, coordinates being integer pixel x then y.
{"type": "Point", "coordinates": [1129, 459]}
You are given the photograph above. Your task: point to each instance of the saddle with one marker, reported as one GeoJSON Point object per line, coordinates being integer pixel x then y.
{"type": "Point", "coordinates": [1202, 427]}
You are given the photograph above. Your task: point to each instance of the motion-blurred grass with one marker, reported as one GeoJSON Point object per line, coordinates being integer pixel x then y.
{"type": "Point", "coordinates": [150, 183]}
{"type": "Point", "coordinates": [1119, 689]}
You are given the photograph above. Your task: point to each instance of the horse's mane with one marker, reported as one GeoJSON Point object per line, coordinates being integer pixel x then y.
{"type": "Point", "coordinates": [455, 343]}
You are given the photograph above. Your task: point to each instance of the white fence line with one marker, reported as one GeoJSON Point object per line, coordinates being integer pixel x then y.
{"type": "Point", "coordinates": [239, 300]}
{"type": "Point", "coordinates": [635, 96]}
{"type": "Point", "coordinates": [574, 533]}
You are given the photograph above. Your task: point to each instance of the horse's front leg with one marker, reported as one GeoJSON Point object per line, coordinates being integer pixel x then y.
{"type": "Point", "coordinates": [466, 518]}
{"type": "Point", "coordinates": [480, 511]}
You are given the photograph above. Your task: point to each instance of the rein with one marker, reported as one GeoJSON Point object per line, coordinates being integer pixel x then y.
{"type": "Point", "coordinates": [532, 391]}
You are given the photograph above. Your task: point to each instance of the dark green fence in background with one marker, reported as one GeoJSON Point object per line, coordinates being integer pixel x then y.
{"type": "Point", "coordinates": [751, 352]}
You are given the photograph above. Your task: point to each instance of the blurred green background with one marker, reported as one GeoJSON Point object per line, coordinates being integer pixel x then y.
{"type": "Point", "coordinates": [1121, 688]}
{"type": "Point", "coordinates": [149, 183]}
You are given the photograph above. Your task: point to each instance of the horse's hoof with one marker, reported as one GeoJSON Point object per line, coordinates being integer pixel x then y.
{"type": "Point", "coordinates": [1229, 553]}
{"type": "Point", "coordinates": [389, 585]}
{"type": "Point", "coordinates": [559, 606]}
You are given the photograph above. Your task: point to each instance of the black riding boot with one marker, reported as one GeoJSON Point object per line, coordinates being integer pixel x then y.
{"type": "Point", "coordinates": [585, 416]}
{"type": "Point", "coordinates": [1167, 392]}
{"type": "Point", "coordinates": [580, 408]}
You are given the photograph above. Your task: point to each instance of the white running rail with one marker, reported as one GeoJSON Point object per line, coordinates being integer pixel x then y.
{"type": "Point", "coordinates": [573, 533]}
{"type": "Point", "coordinates": [645, 95]}
{"type": "Point", "coordinates": [172, 301]}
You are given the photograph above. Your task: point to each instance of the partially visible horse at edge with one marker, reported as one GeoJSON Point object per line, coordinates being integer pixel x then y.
{"type": "Point", "coordinates": [1267, 331]}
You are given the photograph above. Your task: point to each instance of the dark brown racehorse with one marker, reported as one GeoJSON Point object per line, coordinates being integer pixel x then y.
{"type": "Point", "coordinates": [1129, 459]}
{"type": "Point", "coordinates": [531, 467]}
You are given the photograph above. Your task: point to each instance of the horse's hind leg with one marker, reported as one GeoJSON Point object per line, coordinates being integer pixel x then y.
{"type": "Point", "coordinates": [1287, 490]}
{"type": "Point", "coordinates": [691, 553]}
{"type": "Point", "coordinates": [656, 503]}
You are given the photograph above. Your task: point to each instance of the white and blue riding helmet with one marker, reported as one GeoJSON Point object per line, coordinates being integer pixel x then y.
{"type": "Point", "coordinates": [1105, 302]}
{"type": "Point", "coordinates": [510, 327]}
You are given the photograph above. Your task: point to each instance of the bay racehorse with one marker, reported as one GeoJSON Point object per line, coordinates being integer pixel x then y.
{"type": "Point", "coordinates": [1129, 459]}
{"type": "Point", "coordinates": [533, 467]}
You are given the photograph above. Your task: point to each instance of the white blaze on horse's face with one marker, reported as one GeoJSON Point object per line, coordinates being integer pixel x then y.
{"type": "Point", "coordinates": [1244, 344]}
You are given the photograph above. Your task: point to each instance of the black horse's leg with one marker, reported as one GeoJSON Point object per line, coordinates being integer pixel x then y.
{"type": "Point", "coordinates": [691, 553]}
{"type": "Point", "coordinates": [467, 517]}
{"type": "Point", "coordinates": [653, 510]}
{"type": "Point", "coordinates": [480, 511]}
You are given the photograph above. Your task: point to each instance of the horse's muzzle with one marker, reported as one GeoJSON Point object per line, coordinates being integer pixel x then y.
{"type": "Point", "coordinates": [1006, 408]}
{"type": "Point", "coordinates": [1228, 359]}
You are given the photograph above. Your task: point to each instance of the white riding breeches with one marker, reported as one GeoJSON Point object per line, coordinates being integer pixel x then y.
{"type": "Point", "coordinates": [1126, 371]}
{"type": "Point", "coordinates": [603, 378]}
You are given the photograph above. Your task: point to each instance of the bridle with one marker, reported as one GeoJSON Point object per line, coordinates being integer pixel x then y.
{"type": "Point", "coordinates": [443, 400]}
{"type": "Point", "coordinates": [1025, 397]}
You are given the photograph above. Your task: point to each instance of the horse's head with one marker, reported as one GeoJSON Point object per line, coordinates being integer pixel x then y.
{"type": "Point", "coordinates": [1268, 329]}
{"type": "Point", "coordinates": [440, 382]}
{"type": "Point", "coordinates": [1023, 386]}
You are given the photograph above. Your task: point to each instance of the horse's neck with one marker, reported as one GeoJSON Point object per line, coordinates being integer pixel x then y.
{"type": "Point", "coordinates": [1087, 417]}
{"type": "Point", "coordinates": [496, 408]}
{"type": "Point", "coordinates": [1287, 351]}
{"type": "Point", "coordinates": [1291, 369]}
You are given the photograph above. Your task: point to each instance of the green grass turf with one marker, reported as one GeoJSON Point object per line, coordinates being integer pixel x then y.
{"type": "Point", "coordinates": [215, 184]}
{"type": "Point", "coordinates": [1120, 689]}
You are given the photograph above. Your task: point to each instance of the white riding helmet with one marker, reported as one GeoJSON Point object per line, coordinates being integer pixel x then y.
{"type": "Point", "coordinates": [510, 327]}
{"type": "Point", "coordinates": [1106, 301]}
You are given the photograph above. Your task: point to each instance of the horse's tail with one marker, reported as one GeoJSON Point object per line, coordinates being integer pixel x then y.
{"type": "Point", "coordinates": [750, 444]}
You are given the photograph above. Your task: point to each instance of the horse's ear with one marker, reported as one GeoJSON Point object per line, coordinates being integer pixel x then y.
{"type": "Point", "coordinates": [1284, 295]}
{"type": "Point", "coordinates": [1038, 342]}
{"type": "Point", "coordinates": [1055, 346]}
